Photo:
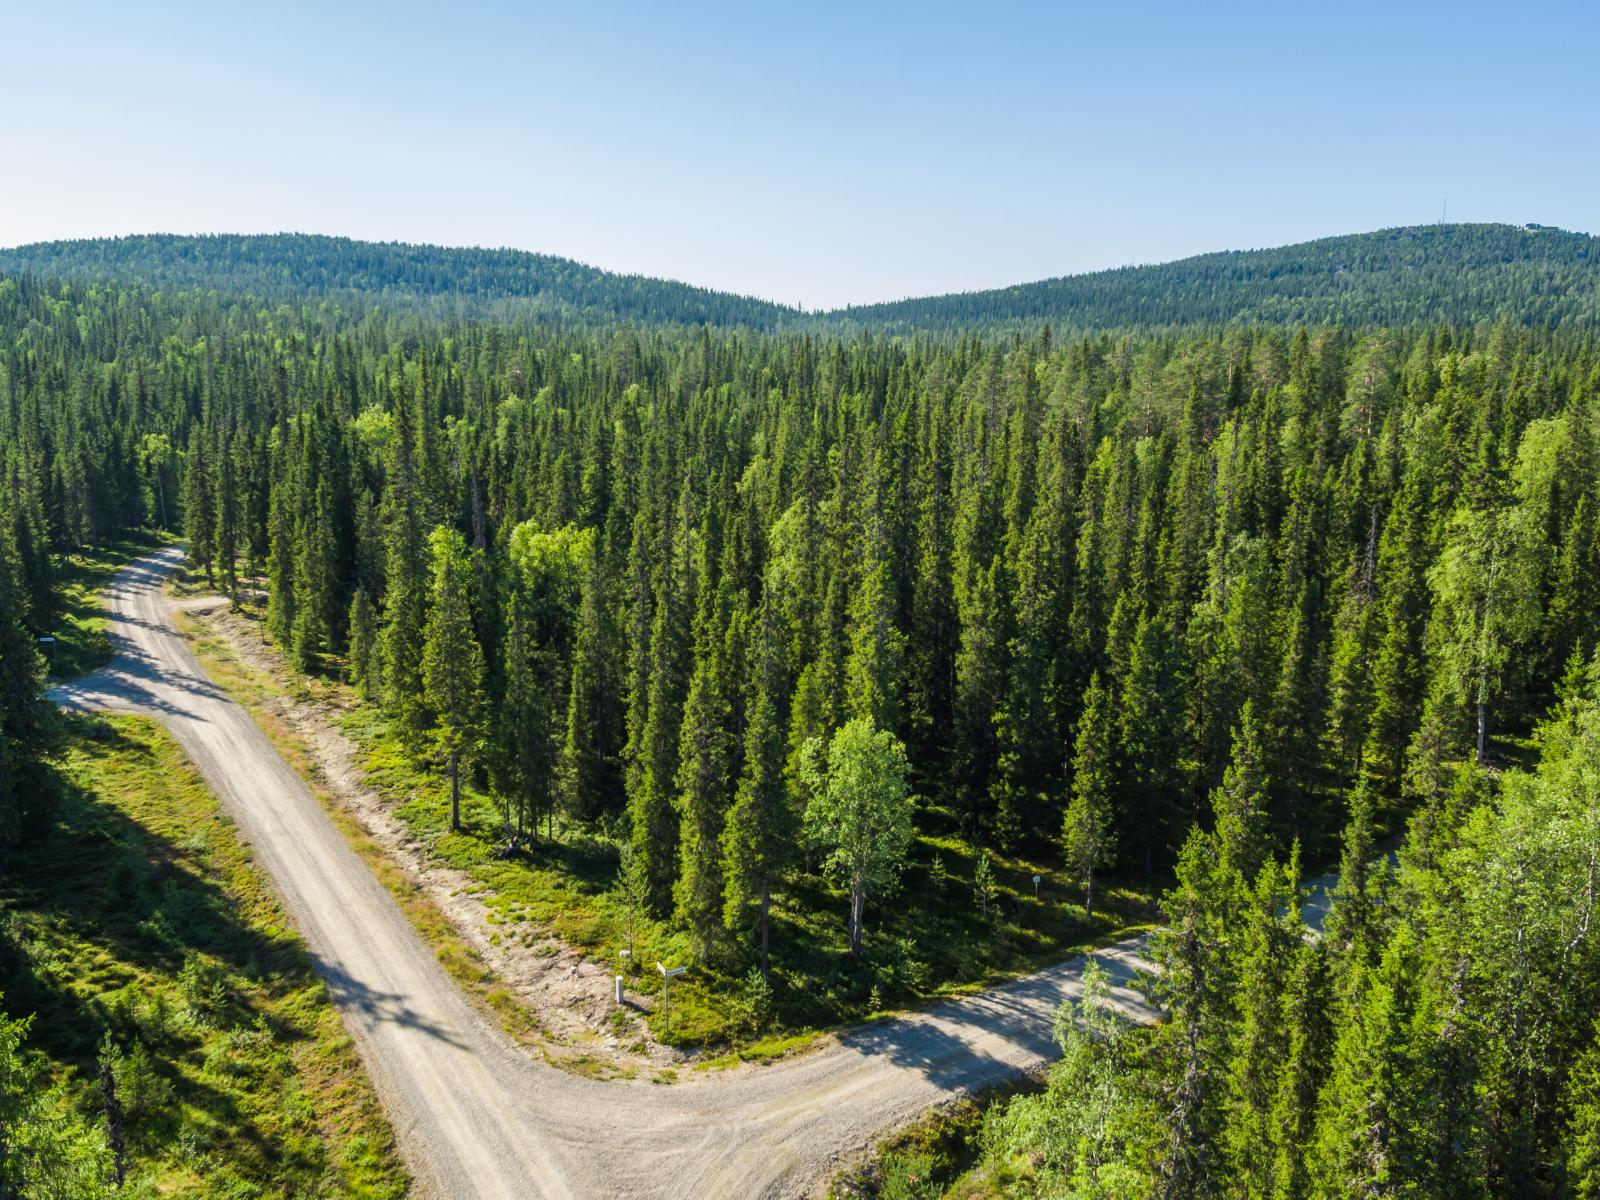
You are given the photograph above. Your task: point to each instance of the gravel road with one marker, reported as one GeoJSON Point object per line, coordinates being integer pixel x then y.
{"type": "Point", "coordinates": [475, 1116]}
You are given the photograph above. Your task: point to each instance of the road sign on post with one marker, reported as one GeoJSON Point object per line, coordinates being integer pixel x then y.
{"type": "Point", "coordinates": [667, 973]}
{"type": "Point", "coordinates": [48, 645]}
{"type": "Point", "coordinates": [1035, 887]}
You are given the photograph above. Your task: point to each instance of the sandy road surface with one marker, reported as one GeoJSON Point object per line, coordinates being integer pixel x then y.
{"type": "Point", "coordinates": [475, 1116]}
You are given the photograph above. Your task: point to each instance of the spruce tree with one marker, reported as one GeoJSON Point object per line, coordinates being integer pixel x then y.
{"type": "Point", "coordinates": [706, 750]}
{"type": "Point", "coordinates": [365, 663]}
{"type": "Point", "coordinates": [524, 761]}
{"type": "Point", "coordinates": [199, 505]}
{"type": "Point", "coordinates": [758, 840]}
{"type": "Point", "coordinates": [452, 662]}
{"type": "Point", "coordinates": [1148, 744]}
{"type": "Point", "coordinates": [587, 752]}
{"type": "Point", "coordinates": [405, 597]}
{"type": "Point", "coordinates": [1240, 803]}
{"type": "Point", "coordinates": [1088, 840]}
{"type": "Point", "coordinates": [655, 828]}
{"type": "Point", "coordinates": [29, 734]}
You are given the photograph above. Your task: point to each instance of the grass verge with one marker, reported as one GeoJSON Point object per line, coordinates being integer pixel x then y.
{"type": "Point", "coordinates": [250, 688]}
{"type": "Point", "coordinates": [925, 943]}
{"type": "Point", "coordinates": [141, 915]}
{"type": "Point", "coordinates": [928, 1160]}
{"type": "Point", "coordinates": [81, 643]}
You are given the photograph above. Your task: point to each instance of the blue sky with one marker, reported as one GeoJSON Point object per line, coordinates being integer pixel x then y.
{"type": "Point", "coordinates": [816, 154]}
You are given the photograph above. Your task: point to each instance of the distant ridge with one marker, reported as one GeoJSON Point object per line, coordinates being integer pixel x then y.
{"type": "Point", "coordinates": [1457, 274]}
{"type": "Point", "coordinates": [472, 282]}
{"type": "Point", "coordinates": [1531, 274]}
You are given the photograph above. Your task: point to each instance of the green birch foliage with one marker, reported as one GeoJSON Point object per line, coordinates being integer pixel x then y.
{"type": "Point", "coordinates": [1084, 1136]}
{"type": "Point", "coordinates": [860, 813]}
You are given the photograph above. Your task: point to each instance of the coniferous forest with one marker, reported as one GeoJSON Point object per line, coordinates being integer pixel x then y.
{"type": "Point", "coordinates": [1194, 613]}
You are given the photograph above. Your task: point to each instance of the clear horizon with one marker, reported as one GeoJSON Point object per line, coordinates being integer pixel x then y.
{"type": "Point", "coordinates": [818, 159]}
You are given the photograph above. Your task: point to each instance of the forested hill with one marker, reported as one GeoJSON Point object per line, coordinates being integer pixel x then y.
{"type": "Point", "coordinates": [760, 631]}
{"type": "Point", "coordinates": [1424, 275]}
{"type": "Point", "coordinates": [437, 280]}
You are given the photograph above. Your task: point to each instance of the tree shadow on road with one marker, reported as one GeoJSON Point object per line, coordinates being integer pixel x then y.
{"type": "Point", "coordinates": [940, 1043]}
{"type": "Point", "coordinates": [374, 1007]}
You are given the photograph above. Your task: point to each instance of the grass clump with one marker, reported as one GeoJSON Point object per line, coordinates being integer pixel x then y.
{"type": "Point", "coordinates": [141, 934]}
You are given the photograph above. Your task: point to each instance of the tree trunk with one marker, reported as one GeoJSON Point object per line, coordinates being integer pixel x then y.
{"type": "Point", "coordinates": [455, 792]}
{"type": "Point", "coordinates": [858, 902]}
{"type": "Point", "coordinates": [766, 907]}
{"type": "Point", "coordinates": [1483, 728]}
{"type": "Point", "coordinates": [1088, 896]}
{"type": "Point", "coordinates": [113, 1112]}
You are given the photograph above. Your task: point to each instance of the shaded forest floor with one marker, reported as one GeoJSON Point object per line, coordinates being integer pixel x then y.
{"type": "Point", "coordinates": [142, 914]}
{"type": "Point", "coordinates": [541, 930]}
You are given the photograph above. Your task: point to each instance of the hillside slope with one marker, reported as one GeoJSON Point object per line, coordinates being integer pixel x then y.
{"type": "Point", "coordinates": [439, 280]}
{"type": "Point", "coordinates": [1533, 275]}
{"type": "Point", "coordinates": [1458, 274]}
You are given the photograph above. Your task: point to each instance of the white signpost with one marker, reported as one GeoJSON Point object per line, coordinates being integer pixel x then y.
{"type": "Point", "coordinates": [667, 974]}
{"type": "Point", "coordinates": [626, 956]}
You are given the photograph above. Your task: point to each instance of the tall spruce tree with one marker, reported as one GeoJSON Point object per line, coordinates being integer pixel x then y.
{"type": "Point", "coordinates": [452, 663]}
{"type": "Point", "coordinates": [1087, 838]}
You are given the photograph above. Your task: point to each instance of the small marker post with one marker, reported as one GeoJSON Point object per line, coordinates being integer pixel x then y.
{"type": "Point", "coordinates": [667, 973]}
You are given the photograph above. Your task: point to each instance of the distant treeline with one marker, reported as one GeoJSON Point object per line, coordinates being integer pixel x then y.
{"type": "Point", "coordinates": [1423, 275]}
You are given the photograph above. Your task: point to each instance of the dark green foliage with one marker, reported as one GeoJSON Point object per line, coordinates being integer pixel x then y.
{"type": "Point", "coordinates": [1218, 592]}
{"type": "Point", "coordinates": [1437, 1040]}
{"type": "Point", "coordinates": [1421, 274]}
{"type": "Point", "coordinates": [28, 724]}
{"type": "Point", "coordinates": [452, 661]}
{"type": "Point", "coordinates": [1409, 276]}
{"type": "Point", "coordinates": [435, 280]}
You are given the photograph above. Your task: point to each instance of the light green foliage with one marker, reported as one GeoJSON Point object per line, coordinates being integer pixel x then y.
{"type": "Point", "coordinates": [47, 1149]}
{"type": "Point", "coordinates": [1083, 1136]}
{"type": "Point", "coordinates": [553, 561]}
{"type": "Point", "coordinates": [1486, 587]}
{"type": "Point", "coordinates": [1582, 1110]}
{"type": "Point", "coordinates": [984, 890]}
{"type": "Point", "coordinates": [166, 957]}
{"type": "Point", "coordinates": [860, 812]}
